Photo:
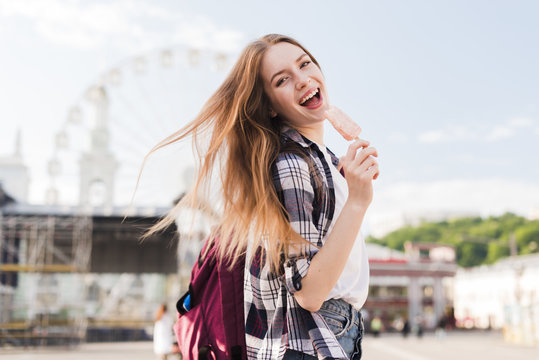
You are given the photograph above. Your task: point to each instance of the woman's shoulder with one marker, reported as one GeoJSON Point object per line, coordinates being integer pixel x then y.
{"type": "Point", "coordinates": [290, 161]}
{"type": "Point", "coordinates": [293, 149]}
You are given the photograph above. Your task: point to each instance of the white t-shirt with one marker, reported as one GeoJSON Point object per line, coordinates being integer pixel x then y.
{"type": "Point", "coordinates": [163, 336]}
{"type": "Point", "coordinates": [353, 285]}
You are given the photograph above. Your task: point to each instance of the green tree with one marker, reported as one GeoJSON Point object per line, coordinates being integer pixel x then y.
{"type": "Point", "coordinates": [528, 238]}
{"type": "Point", "coordinates": [471, 253]}
{"type": "Point", "coordinates": [495, 251]}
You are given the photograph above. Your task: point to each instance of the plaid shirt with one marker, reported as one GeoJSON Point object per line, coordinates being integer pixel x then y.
{"type": "Point", "coordinates": [274, 321]}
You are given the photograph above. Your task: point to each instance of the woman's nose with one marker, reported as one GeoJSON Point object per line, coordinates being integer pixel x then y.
{"type": "Point", "coordinates": [303, 81]}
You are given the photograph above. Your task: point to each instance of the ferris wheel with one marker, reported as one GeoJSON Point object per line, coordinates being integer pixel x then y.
{"type": "Point", "coordinates": [112, 125]}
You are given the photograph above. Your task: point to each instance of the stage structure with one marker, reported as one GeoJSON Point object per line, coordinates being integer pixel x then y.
{"type": "Point", "coordinates": [67, 276]}
{"type": "Point", "coordinates": [34, 249]}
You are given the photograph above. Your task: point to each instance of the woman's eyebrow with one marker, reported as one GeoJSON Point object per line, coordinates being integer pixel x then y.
{"type": "Point", "coordinates": [282, 71]}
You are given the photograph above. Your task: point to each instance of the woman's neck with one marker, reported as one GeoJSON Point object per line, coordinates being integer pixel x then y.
{"type": "Point", "coordinates": [314, 133]}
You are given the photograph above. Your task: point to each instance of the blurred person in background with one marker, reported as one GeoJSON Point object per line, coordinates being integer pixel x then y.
{"type": "Point", "coordinates": [376, 326]}
{"type": "Point", "coordinates": [405, 327]}
{"type": "Point", "coordinates": [163, 335]}
{"type": "Point", "coordinates": [418, 326]}
{"type": "Point", "coordinates": [441, 326]}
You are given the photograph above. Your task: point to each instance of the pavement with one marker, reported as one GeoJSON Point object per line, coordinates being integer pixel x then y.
{"type": "Point", "coordinates": [93, 351]}
{"type": "Point", "coordinates": [454, 346]}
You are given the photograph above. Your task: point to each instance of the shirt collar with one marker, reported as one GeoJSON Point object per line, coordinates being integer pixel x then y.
{"type": "Point", "coordinates": [295, 136]}
{"type": "Point", "coordinates": [288, 132]}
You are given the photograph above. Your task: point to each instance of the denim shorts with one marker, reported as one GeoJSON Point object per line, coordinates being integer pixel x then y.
{"type": "Point", "coordinates": [347, 325]}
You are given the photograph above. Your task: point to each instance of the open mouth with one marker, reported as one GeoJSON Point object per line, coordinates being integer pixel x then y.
{"type": "Point", "coordinates": [312, 99]}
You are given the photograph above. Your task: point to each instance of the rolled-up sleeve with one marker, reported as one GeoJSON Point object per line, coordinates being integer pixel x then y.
{"type": "Point", "coordinates": [295, 269]}
{"type": "Point", "coordinates": [292, 180]}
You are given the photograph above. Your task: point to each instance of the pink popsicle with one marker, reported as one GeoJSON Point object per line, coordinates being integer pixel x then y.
{"type": "Point", "coordinates": [343, 123]}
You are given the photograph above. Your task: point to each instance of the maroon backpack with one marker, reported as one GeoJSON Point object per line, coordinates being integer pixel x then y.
{"type": "Point", "coordinates": [210, 315]}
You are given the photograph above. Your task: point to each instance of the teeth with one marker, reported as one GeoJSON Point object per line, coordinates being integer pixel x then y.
{"type": "Point", "coordinates": [313, 93]}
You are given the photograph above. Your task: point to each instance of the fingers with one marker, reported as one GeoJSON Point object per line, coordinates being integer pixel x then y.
{"type": "Point", "coordinates": [368, 163]}
{"type": "Point", "coordinates": [368, 169]}
{"type": "Point", "coordinates": [339, 166]}
{"type": "Point", "coordinates": [363, 155]}
{"type": "Point", "coordinates": [366, 166]}
{"type": "Point", "coordinates": [353, 148]}
{"type": "Point", "coordinates": [376, 174]}
{"type": "Point", "coordinates": [361, 162]}
{"type": "Point", "coordinates": [373, 171]}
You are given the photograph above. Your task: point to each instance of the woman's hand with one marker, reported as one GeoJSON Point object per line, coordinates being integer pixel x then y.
{"type": "Point", "coordinates": [360, 168]}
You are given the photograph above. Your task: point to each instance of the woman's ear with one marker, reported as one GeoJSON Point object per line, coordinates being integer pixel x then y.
{"type": "Point", "coordinates": [272, 113]}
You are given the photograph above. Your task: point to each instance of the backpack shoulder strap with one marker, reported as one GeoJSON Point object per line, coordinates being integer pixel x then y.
{"type": "Point", "coordinates": [231, 289]}
{"type": "Point", "coordinates": [200, 274]}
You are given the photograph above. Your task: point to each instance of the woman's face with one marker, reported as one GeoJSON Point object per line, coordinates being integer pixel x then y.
{"type": "Point", "coordinates": [295, 85]}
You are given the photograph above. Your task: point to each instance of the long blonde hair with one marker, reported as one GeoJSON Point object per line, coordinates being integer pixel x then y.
{"type": "Point", "coordinates": [243, 144]}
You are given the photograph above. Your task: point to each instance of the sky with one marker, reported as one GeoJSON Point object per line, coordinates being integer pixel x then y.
{"type": "Point", "coordinates": [447, 91]}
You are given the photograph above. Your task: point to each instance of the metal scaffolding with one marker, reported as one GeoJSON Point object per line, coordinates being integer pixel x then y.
{"type": "Point", "coordinates": [35, 250]}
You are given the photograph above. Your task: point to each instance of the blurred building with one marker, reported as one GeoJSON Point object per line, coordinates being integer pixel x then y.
{"type": "Point", "coordinates": [504, 295]}
{"type": "Point", "coordinates": [414, 285]}
{"type": "Point", "coordinates": [14, 175]}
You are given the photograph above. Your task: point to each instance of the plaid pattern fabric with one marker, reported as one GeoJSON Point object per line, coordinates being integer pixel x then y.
{"type": "Point", "coordinates": [274, 321]}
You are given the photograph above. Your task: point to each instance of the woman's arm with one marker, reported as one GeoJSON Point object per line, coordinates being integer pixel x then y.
{"type": "Point", "coordinates": [327, 265]}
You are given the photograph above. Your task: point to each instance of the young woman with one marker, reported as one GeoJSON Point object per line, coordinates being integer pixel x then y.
{"type": "Point", "coordinates": [285, 202]}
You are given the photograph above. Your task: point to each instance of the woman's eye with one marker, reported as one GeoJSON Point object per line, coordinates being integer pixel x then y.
{"type": "Point", "coordinates": [280, 81]}
{"type": "Point", "coordinates": [305, 63]}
